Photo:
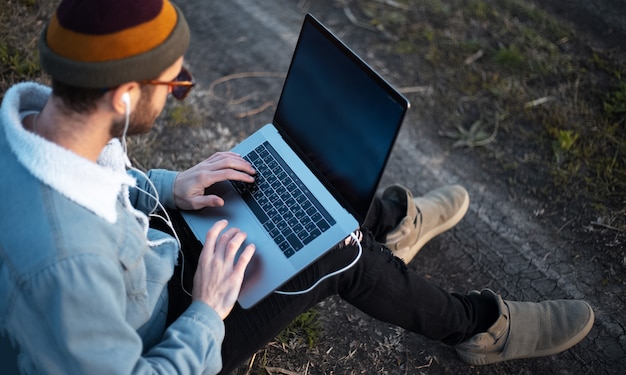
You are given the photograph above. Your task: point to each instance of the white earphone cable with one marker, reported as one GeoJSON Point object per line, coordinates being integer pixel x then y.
{"type": "Point", "coordinates": [166, 218]}
{"type": "Point", "coordinates": [356, 259]}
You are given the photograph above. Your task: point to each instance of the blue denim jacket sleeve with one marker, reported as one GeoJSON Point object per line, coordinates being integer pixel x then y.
{"type": "Point", "coordinates": [160, 183]}
{"type": "Point", "coordinates": [90, 334]}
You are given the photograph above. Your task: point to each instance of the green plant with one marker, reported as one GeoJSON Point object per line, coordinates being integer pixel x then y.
{"type": "Point", "coordinates": [615, 101]}
{"type": "Point", "coordinates": [304, 329]}
{"type": "Point", "coordinates": [182, 114]}
{"type": "Point", "coordinates": [566, 139]}
{"type": "Point", "coordinates": [479, 9]}
{"type": "Point", "coordinates": [18, 62]}
{"type": "Point", "coordinates": [510, 58]}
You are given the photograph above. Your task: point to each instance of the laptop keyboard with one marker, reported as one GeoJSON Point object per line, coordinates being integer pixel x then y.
{"type": "Point", "coordinates": [289, 212]}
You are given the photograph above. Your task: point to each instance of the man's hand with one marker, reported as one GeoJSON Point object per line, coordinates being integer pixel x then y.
{"type": "Point", "coordinates": [222, 166]}
{"type": "Point", "coordinates": [218, 278]}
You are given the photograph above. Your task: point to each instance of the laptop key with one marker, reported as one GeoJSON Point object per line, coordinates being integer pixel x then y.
{"type": "Point", "coordinates": [269, 226]}
{"type": "Point", "coordinates": [284, 246]}
{"type": "Point", "coordinates": [311, 236]}
{"type": "Point", "coordinates": [323, 225]}
{"type": "Point", "coordinates": [294, 241]}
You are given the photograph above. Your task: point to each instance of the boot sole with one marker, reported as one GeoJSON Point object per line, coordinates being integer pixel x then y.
{"type": "Point", "coordinates": [478, 359]}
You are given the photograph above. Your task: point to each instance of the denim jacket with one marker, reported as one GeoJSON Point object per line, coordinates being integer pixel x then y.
{"type": "Point", "coordinates": [82, 277]}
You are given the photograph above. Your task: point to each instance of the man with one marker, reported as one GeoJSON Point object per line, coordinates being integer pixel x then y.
{"type": "Point", "coordinates": [88, 249]}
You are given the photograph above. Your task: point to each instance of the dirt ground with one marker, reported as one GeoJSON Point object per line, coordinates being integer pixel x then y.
{"type": "Point", "coordinates": [523, 107]}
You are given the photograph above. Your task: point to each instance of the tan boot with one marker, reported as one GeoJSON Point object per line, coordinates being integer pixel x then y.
{"type": "Point", "coordinates": [427, 216]}
{"type": "Point", "coordinates": [527, 329]}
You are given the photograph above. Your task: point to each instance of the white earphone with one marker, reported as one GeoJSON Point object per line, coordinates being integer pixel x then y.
{"type": "Point", "coordinates": [126, 100]}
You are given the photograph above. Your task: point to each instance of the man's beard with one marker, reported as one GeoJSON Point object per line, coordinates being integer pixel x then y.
{"type": "Point", "coordinates": [141, 119]}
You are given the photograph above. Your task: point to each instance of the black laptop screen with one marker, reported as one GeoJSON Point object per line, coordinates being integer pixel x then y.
{"type": "Point", "coordinates": [341, 114]}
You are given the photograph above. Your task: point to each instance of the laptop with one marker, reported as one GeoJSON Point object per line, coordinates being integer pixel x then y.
{"type": "Point", "coordinates": [323, 156]}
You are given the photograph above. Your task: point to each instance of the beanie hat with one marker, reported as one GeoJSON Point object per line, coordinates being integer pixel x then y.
{"type": "Point", "coordinates": [105, 43]}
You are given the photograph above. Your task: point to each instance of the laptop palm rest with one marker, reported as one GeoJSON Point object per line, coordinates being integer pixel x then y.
{"type": "Point", "coordinates": [265, 269]}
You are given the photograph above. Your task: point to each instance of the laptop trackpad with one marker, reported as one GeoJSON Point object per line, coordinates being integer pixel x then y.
{"type": "Point", "coordinates": [268, 262]}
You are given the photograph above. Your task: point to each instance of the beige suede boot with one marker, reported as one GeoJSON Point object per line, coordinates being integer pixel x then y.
{"type": "Point", "coordinates": [528, 329]}
{"type": "Point", "coordinates": [427, 216]}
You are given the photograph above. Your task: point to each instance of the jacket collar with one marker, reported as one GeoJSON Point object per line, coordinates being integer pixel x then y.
{"type": "Point", "coordinates": [93, 186]}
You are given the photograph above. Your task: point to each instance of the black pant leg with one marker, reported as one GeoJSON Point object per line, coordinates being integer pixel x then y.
{"type": "Point", "coordinates": [379, 284]}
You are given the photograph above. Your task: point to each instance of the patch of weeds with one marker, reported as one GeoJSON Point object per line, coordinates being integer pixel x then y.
{"type": "Point", "coordinates": [182, 114]}
{"type": "Point", "coordinates": [566, 139]}
{"type": "Point", "coordinates": [477, 134]}
{"type": "Point", "coordinates": [470, 45]}
{"type": "Point", "coordinates": [434, 54]}
{"type": "Point", "coordinates": [383, 16]}
{"type": "Point", "coordinates": [18, 62]}
{"type": "Point", "coordinates": [303, 330]}
{"type": "Point", "coordinates": [528, 13]}
{"type": "Point", "coordinates": [405, 47]}
{"type": "Point", "coordinates": [479, 9]}
{"type": "Point", "coordinates": [592, 168]}
{"type": "Point", "coordinates": [543, 54]}
{"type": "Point", "coordinates": [19, 32]}
{"type": "Point", "coordinates": [510, 58]}
{"type": "Point", "coordinates": [16, 59]}
{"type": "Point", "coordinates": [438, 11]}
{"type": "Point", "coordinates": [429, 35]}
{"type": "Point", "coordinates": [564, 142]}
{"type": "Point", "coordinates": [615, 102]}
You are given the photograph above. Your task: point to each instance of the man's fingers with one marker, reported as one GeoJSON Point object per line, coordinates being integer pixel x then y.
{"type": "Point", "coordinates": [218, 278]}
{"type": "Point", "coordinates": [223, 174]}
{"type": "Point", "coordinates": [244, 259]}
{"type": "Point", "coordinates": [226, 244]}
{"type": "Point", "coordinates": [213, 234]}
{"type": "Point", "coordinates": [206, 201]}
{"type": "Point", "coordinates": [229, 244]}
{"type": "Point", "coordinates": [223, 154]}
{"type": "Point", "coordinates": [225, 162]}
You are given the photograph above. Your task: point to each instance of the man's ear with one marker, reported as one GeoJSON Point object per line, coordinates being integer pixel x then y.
{"type": "Point", "coordinates": [123, 96]}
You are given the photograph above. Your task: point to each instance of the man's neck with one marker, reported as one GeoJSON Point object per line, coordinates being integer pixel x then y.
{"type": "Point", "coordinates": [84, 134]}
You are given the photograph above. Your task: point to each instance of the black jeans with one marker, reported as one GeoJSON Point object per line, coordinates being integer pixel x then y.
{"type": "Point", "coordinates": [379, 284]}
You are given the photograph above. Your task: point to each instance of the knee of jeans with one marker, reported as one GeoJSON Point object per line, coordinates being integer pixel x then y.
{"type": "Point", "coordinates": [369, 244]}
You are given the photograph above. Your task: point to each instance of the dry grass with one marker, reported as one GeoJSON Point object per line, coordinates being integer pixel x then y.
{"type": "Point", "coordinates": [20, 25]}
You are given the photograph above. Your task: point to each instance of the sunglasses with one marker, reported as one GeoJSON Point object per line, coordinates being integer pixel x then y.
{"type": "Point", "coordinates": [180, 86]}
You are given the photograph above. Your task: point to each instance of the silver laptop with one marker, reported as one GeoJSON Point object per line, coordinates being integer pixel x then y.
{"type": "Point", "coordinates": [318, 163]}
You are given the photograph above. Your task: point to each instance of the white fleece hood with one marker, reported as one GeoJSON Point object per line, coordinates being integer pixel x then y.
{"type": "Point", "coordinates": [93, 186]}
